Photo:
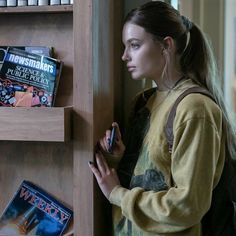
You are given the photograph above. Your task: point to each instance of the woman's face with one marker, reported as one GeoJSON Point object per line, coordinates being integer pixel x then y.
{"type": "Point", "coordinates": [143, 55]}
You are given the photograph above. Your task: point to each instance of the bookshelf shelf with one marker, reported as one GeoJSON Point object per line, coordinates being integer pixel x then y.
{"type": "Point", "coordinates": [36, 9]}
{"type": "Point", "coordinates": [36, 143]}
{"type": "Point", "coordinates": [50, 124]}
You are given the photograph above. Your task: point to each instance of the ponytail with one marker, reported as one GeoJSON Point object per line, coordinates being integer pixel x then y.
{"type": "Point", "coordinates": [198, 62]}
{"type": "Point", "coordinates": [196, 57]}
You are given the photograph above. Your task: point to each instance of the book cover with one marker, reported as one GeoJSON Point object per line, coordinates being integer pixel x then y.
{"type": "Point", "coordinates": [21, 3]}
{"type": "Point", "coordinates": [32, 2]}
{"type": "Point", "coordinates": [28, 79]}
{"type": "Point", "coordinates": [3, 3]}
{"type": "Point", "coordinates": [55, 2]}
{"type": "Point", "coordinates": [41, 50]}
{"type": "Point", "coordinates": [32, 211]}
{"type": "Point", "coordinates": [43, 2]}
{"type": "Point", "coordinates": [11, 3]}
{"type": "Point", "coordinates": [65, 2]}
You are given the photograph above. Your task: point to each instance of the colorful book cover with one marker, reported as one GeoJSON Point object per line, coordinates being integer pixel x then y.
{"type": "Point", "coordinates": [32, 211]}
{"type": "Point", "coordinates": [41, 50]}
{"type": "Point", "coordinates": [28, 79]}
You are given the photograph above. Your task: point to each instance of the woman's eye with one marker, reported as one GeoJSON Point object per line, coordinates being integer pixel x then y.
{"type": "Point", "coordinates": [134, 45]}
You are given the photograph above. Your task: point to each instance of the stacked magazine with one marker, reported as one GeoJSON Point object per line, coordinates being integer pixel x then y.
{"type": "Point", "coordinates": [28, 79]}
{"type": "Point", "coordinates": [32, 211]}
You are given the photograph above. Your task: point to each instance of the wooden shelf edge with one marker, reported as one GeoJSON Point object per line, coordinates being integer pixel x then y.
{"type": "Point", "coordinates": [47, 124]}
{"type": "Point", "coordinates": [37, 9]}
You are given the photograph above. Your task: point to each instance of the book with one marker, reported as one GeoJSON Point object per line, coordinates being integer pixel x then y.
{"type": "Point", "coordinates": [32, 2]}
{"type": "Point", "coordinates": [65, 2]}
{"type": "Point", "coordinates": [55, 2]}
{"type": "Point", "coordinates": [3, 3]}
{"type": "Point", "coordinates": [28, 79]}
{"type": "Point", "coordinates": [11, 3]}
{"type": "Point", "coordinates": [21, 3]}
{"type": "Point", "coordinates": [41, 50]}
{"type": "Point", "coordinates": [43, 2]}
{"type": "Point", "coordinates": [33, 211]}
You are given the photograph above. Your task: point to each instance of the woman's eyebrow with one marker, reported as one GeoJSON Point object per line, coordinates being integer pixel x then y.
{"type": "Point", "coordinates": [132, 39]}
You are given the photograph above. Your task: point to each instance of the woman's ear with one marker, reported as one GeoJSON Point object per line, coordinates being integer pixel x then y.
{"type": "Point", "coordinates": [169, 44]}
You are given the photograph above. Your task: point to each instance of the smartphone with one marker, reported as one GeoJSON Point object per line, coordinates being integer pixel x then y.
{"type": "Point", "coordinates": [112, 139]}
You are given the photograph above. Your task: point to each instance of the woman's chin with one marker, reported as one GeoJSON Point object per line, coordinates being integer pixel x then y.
{"type": "Point", "coordinates": [136, 77]}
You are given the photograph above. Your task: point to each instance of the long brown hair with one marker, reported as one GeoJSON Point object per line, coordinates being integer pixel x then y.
{"type": "Point", "coordinates": [196, 57]}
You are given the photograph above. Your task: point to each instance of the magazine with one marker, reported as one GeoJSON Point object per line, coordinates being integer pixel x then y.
{"type": "Point", "coordinates": [41, 50]}
{"type": "Point", "coordinates": [32, 211]}
{"type": "Point", "coordinates": [28, 79]}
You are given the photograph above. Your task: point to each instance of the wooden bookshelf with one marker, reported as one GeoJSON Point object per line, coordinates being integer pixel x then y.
{"type": "Point", "coordinates": [35, 124]}
{"type": "Point", "coordinates": [36, 9]}
{"type": "Point", "coordinates": [52, 146]}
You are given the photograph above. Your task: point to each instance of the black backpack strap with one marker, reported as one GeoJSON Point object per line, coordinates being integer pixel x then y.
{"type": "Point", "coordinates": [171, 117]}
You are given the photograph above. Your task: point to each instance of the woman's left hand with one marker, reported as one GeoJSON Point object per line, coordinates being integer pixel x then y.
{"type": "Point", "coordinates": [106, 177]}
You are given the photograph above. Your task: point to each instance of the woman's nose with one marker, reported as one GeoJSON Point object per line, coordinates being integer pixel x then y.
{"type": "Point", "coordinates": [125, 56]}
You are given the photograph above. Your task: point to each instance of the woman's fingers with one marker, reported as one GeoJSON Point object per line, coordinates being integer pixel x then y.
{"type": "Point", "coordinates": [107, 168]}
{"type": "Point", "coordinates": [95, 171]}
{"type": "Point", "coordinates": [103, 144]}
{"type": "Point", "coordinates": [101, 164]}
{"type": "Point", "coordinates": [106, 178]}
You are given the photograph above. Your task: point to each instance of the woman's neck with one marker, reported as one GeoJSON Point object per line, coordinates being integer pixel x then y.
{"type": "Point", "coordinates": [169, 82]}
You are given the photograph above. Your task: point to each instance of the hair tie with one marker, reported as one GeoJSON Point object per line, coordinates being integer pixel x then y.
{"type": "Point", "coordinates": [188, 24]}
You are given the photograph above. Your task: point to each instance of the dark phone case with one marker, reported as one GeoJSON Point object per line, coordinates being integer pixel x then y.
{"type": "Point", "coordinates": [112, 139]}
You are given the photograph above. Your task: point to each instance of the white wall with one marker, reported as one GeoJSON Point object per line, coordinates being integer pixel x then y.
{"type": "Point", "coordinates": [230, 49]}
{"type": "Point", "coordinates": [218, 19]}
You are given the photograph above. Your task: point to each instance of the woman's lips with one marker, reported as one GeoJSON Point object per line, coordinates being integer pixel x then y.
{"type": "Point", "coordinates": [131, 68]}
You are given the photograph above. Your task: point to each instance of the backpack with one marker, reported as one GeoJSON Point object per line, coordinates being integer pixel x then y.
{"type": "Point", "coordinates": [220, 220]}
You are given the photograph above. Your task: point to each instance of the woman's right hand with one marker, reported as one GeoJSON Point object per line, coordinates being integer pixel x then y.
{"type": "Point", "coordinates": [118, 148]}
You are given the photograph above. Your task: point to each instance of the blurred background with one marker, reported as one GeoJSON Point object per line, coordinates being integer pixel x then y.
{"type": "Point", "coordinates": [217, 19]}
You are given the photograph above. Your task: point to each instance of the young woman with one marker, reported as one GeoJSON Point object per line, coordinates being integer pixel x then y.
{"type": "Point", "coordinates": [154, 191]}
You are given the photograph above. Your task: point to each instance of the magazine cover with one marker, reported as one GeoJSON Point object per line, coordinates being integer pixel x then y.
{"type": "Point", "coordinates": [28, 79]}
{"type": "Point", "coordinates": [41, 50]}
{"type": "Point", "coordinates": [32, 211]}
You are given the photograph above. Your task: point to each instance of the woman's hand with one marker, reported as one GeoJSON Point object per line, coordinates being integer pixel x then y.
{"type": "Point", "coordinates": [119, 147]}
{"type": "Point", "coordinates": [106, 177]}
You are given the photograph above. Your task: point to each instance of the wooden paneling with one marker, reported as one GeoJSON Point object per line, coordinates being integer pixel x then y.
{"type": "Point", "coordinates": [94, 98]}
{"type": "Point", "coordinates": [47, 164]}
{"type": "Point", "coordinates": [44, 29]}
{"type": "Point", "coordinates": [83, 119]}
{"type": "Point", "coordinates": [85, 42]}
{"type": "Point", "coordinates": [35, 124]}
